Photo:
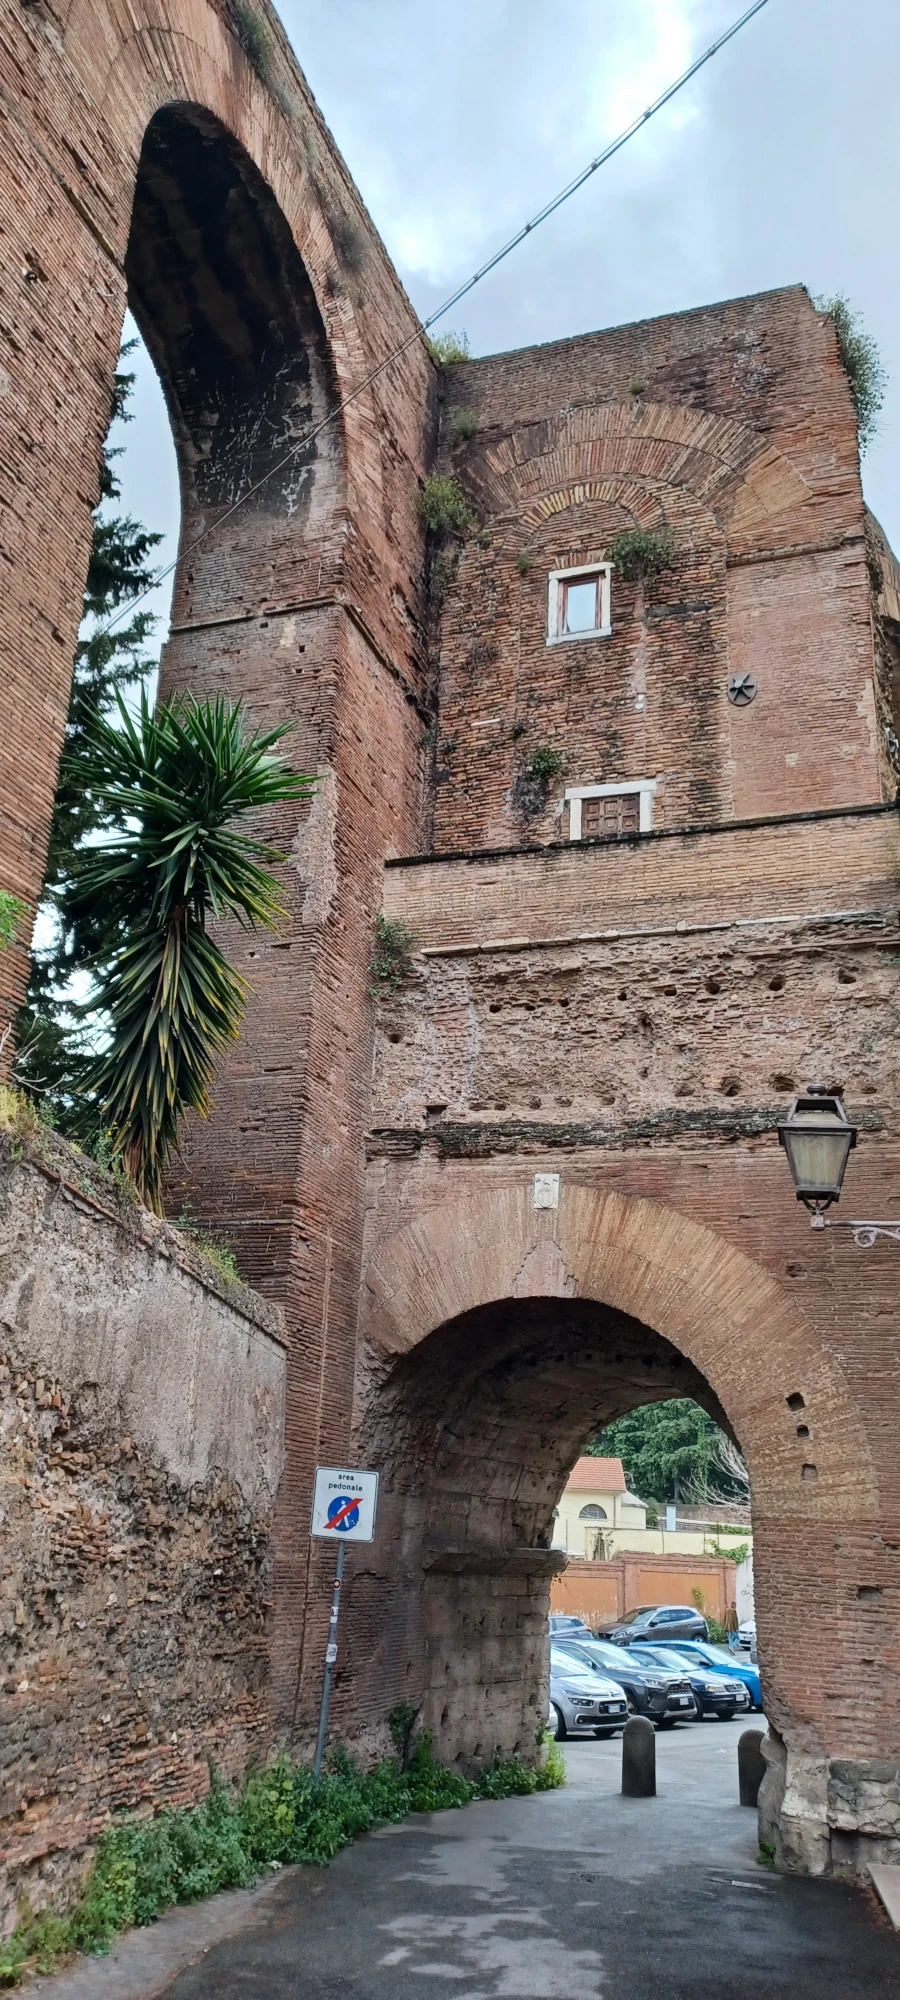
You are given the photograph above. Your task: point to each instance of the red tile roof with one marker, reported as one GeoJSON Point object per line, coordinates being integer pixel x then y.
{"type": "Point", "coordinates": [597, 1475]}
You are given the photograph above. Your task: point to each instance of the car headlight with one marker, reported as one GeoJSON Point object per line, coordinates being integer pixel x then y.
{"type": "Point", "coordinates": [715, 1687]}
{"type": "Point", "coordinates": [656, 1687]}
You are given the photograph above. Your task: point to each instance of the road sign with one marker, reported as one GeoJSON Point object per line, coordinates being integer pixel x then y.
{"type": "Point", "coordinates": [344, 1504]}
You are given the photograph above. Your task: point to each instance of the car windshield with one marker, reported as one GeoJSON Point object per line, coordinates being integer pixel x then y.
{"type": "Point", "coordinates": [640, 1612]}
{"type": "Point", "coordinates": [659, 1656]}
{"type": "Point", "coordinates": [566, 1659]}
{"type": "Point", "coordinates": [614, 1657]}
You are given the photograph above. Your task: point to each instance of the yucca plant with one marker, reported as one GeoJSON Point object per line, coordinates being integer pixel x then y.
{"type": "Point", "coordinates": [179, 779]}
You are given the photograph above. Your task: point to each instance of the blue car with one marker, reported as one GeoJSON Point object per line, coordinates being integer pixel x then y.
{"type": "Point", "coordinates": [721, 1661]}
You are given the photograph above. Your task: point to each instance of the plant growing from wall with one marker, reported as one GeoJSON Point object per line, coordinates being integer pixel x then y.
{"type": "Point", "coordinates": [531, 786]}
{"type": "Point", "coordinates": [11, 913]}
{"type": "Point", "coordinates": [736, 1552]}
{"type": "Point", "coordinates": [447, 348]}
{"type": "Point", "coordinates": [639, 554]}
{"type": "Point", "coordinates": [544, 764]}
{"type": "Point", "coordinates": [463, 425]}
{"type": "Point", "coordinates": [181, 781]}
{"type": "Point", "coordinates": [253, 37]}
{"type": "Point", "coordinates": [443, 507]}
{"type": "Point", "coordinates": [524, 561]}
{"type": "Point", "coordinates": [864, 368]}
{"type": "Point", "coordinates": [391, 962]}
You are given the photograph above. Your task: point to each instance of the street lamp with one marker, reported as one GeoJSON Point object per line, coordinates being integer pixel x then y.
{"type": "Point", "coordinates": [818, 1139]}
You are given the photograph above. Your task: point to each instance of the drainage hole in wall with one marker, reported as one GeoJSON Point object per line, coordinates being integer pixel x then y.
{"type": "Point", "coordinates": [445, 1717]}
{"type": "Point", "coordinates": [796, 1401]}
{"type": "Point", "coordinates": [776, 985]}
{"type": "Point", "coordinates": [803, 1430]}
{"type": "Point", "coordinates": [795, 1270]}
{"type": "Point", "coordinates": [712, 986]}
{"type": "Point", "coordinates": [810, 1472]}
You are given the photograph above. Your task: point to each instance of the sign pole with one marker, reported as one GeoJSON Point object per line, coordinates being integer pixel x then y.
{"type": "Point", "coordinates": [330, 1659]}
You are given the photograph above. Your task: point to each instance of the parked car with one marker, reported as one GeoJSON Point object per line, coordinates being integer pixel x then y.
{"type": "Point", "coordinates": [563, 1626]}
{"type": "Point", "coordinates": [580, 1698]}
{"type": "Point", "coordinates": [721, 1660]}
{"type": "Point", "coordinates": [713, 1693]}
{"type": "Point", "coordinates": [657, 1623]}
{"type": "Point", "coordinates": [747, 1635]}
{"type": "Point", "coordinates": [658, 1692]}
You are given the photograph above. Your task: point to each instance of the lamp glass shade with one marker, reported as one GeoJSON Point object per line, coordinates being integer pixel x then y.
{"type": "Point", "coordinates": [817, 1138]}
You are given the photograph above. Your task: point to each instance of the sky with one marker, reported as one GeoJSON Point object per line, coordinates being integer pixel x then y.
{"type": "Point", "coordinates": [779, 163]}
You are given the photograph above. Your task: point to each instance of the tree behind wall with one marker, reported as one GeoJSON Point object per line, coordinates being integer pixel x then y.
{"type": "Point", "coordinates": [53, 1027]}
{"type": "Point", "coordinates": [668, 1449]}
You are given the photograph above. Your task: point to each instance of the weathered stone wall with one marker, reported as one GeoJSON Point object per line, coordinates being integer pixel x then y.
{"type": "Point", "coordinates": [141, 1443]}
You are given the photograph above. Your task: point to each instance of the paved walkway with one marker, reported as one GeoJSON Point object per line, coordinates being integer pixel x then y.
{"type": "Point", "coordinates": [573, 1895]}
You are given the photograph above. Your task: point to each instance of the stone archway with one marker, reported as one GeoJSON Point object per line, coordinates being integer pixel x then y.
{"type": "Point", "coordinates": [499, 1336]}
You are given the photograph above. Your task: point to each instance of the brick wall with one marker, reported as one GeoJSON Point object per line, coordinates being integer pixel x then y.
{"type": "Point", "coordinates": [729, 431]}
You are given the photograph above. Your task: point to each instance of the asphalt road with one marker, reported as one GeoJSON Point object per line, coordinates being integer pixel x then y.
{"type": "Point", "coordinates": [573, 1895]}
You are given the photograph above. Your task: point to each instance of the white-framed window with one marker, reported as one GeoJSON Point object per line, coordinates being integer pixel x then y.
{"type": "Point", "coordinates": [593, 1513]}
{"type": "Point", "coordinates": [607, 812]}
{"type": "Point", "coordinates": [578, 605]}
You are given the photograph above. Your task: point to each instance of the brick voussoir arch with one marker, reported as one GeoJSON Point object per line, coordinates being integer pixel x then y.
{"type": "Point", "coordinates": [741, 476]}
{"type": "Point", "coordinates": [719, 1308]}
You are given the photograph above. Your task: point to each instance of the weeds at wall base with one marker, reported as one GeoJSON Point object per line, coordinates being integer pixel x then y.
{"type": "Point", "coordinates": [278, 1816]}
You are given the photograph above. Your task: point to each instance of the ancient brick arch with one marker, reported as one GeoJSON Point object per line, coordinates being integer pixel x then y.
{"type": "Point", "coordinates": [500, 1337]}
{"type": "Point", "coordinates": [125, 132]}
{"type": "Point", "coordinates": [746, 482]}
{"type": "Point", "coordinates": [171, 158]}
{"type": "Point", "coordinates": [734, 1324]}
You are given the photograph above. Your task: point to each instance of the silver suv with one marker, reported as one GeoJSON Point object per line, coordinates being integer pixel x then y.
{"type": "Point", "coordinates": [580, 1698]}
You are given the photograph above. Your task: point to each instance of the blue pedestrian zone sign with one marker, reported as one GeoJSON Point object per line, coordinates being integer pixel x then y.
{"type": "Point", "coordinates": [344, 1504]}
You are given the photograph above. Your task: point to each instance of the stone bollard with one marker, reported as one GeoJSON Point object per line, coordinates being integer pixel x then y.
{"type": "Point", "coordinates": [639, 1759]}
{"type": "Point", "coordinates": [751, 1765]}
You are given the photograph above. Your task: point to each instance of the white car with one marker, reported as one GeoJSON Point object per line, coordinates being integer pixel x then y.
{"type": "Point", "coordinates": [747, 1634]}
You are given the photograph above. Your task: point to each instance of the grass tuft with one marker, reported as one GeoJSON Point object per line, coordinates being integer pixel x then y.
{"type": "Point", "coordinates": [446, 348]}
{"type": "Point", "coordinates": [639, 553]}
{"type": "Point", "coordinates": [865, 370]}
{"type": "Point", "coordinates": [443, 507]}
{"type": "Point", "coordinates": [463, 425]}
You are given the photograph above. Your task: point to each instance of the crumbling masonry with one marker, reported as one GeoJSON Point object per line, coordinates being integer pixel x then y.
{"type": "Point", "coordinates": [536, 1183]}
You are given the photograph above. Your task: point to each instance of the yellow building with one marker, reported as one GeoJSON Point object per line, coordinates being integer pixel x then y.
{"type": "Point", "coordinates": [597, 1517]}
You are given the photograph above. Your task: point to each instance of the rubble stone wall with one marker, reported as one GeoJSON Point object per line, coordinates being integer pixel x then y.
{"type": "Point", "coordinates": [141, 1444]}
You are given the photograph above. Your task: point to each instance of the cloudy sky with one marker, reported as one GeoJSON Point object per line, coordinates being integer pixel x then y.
{"type": "Point", "coordinates": [779, 163]}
